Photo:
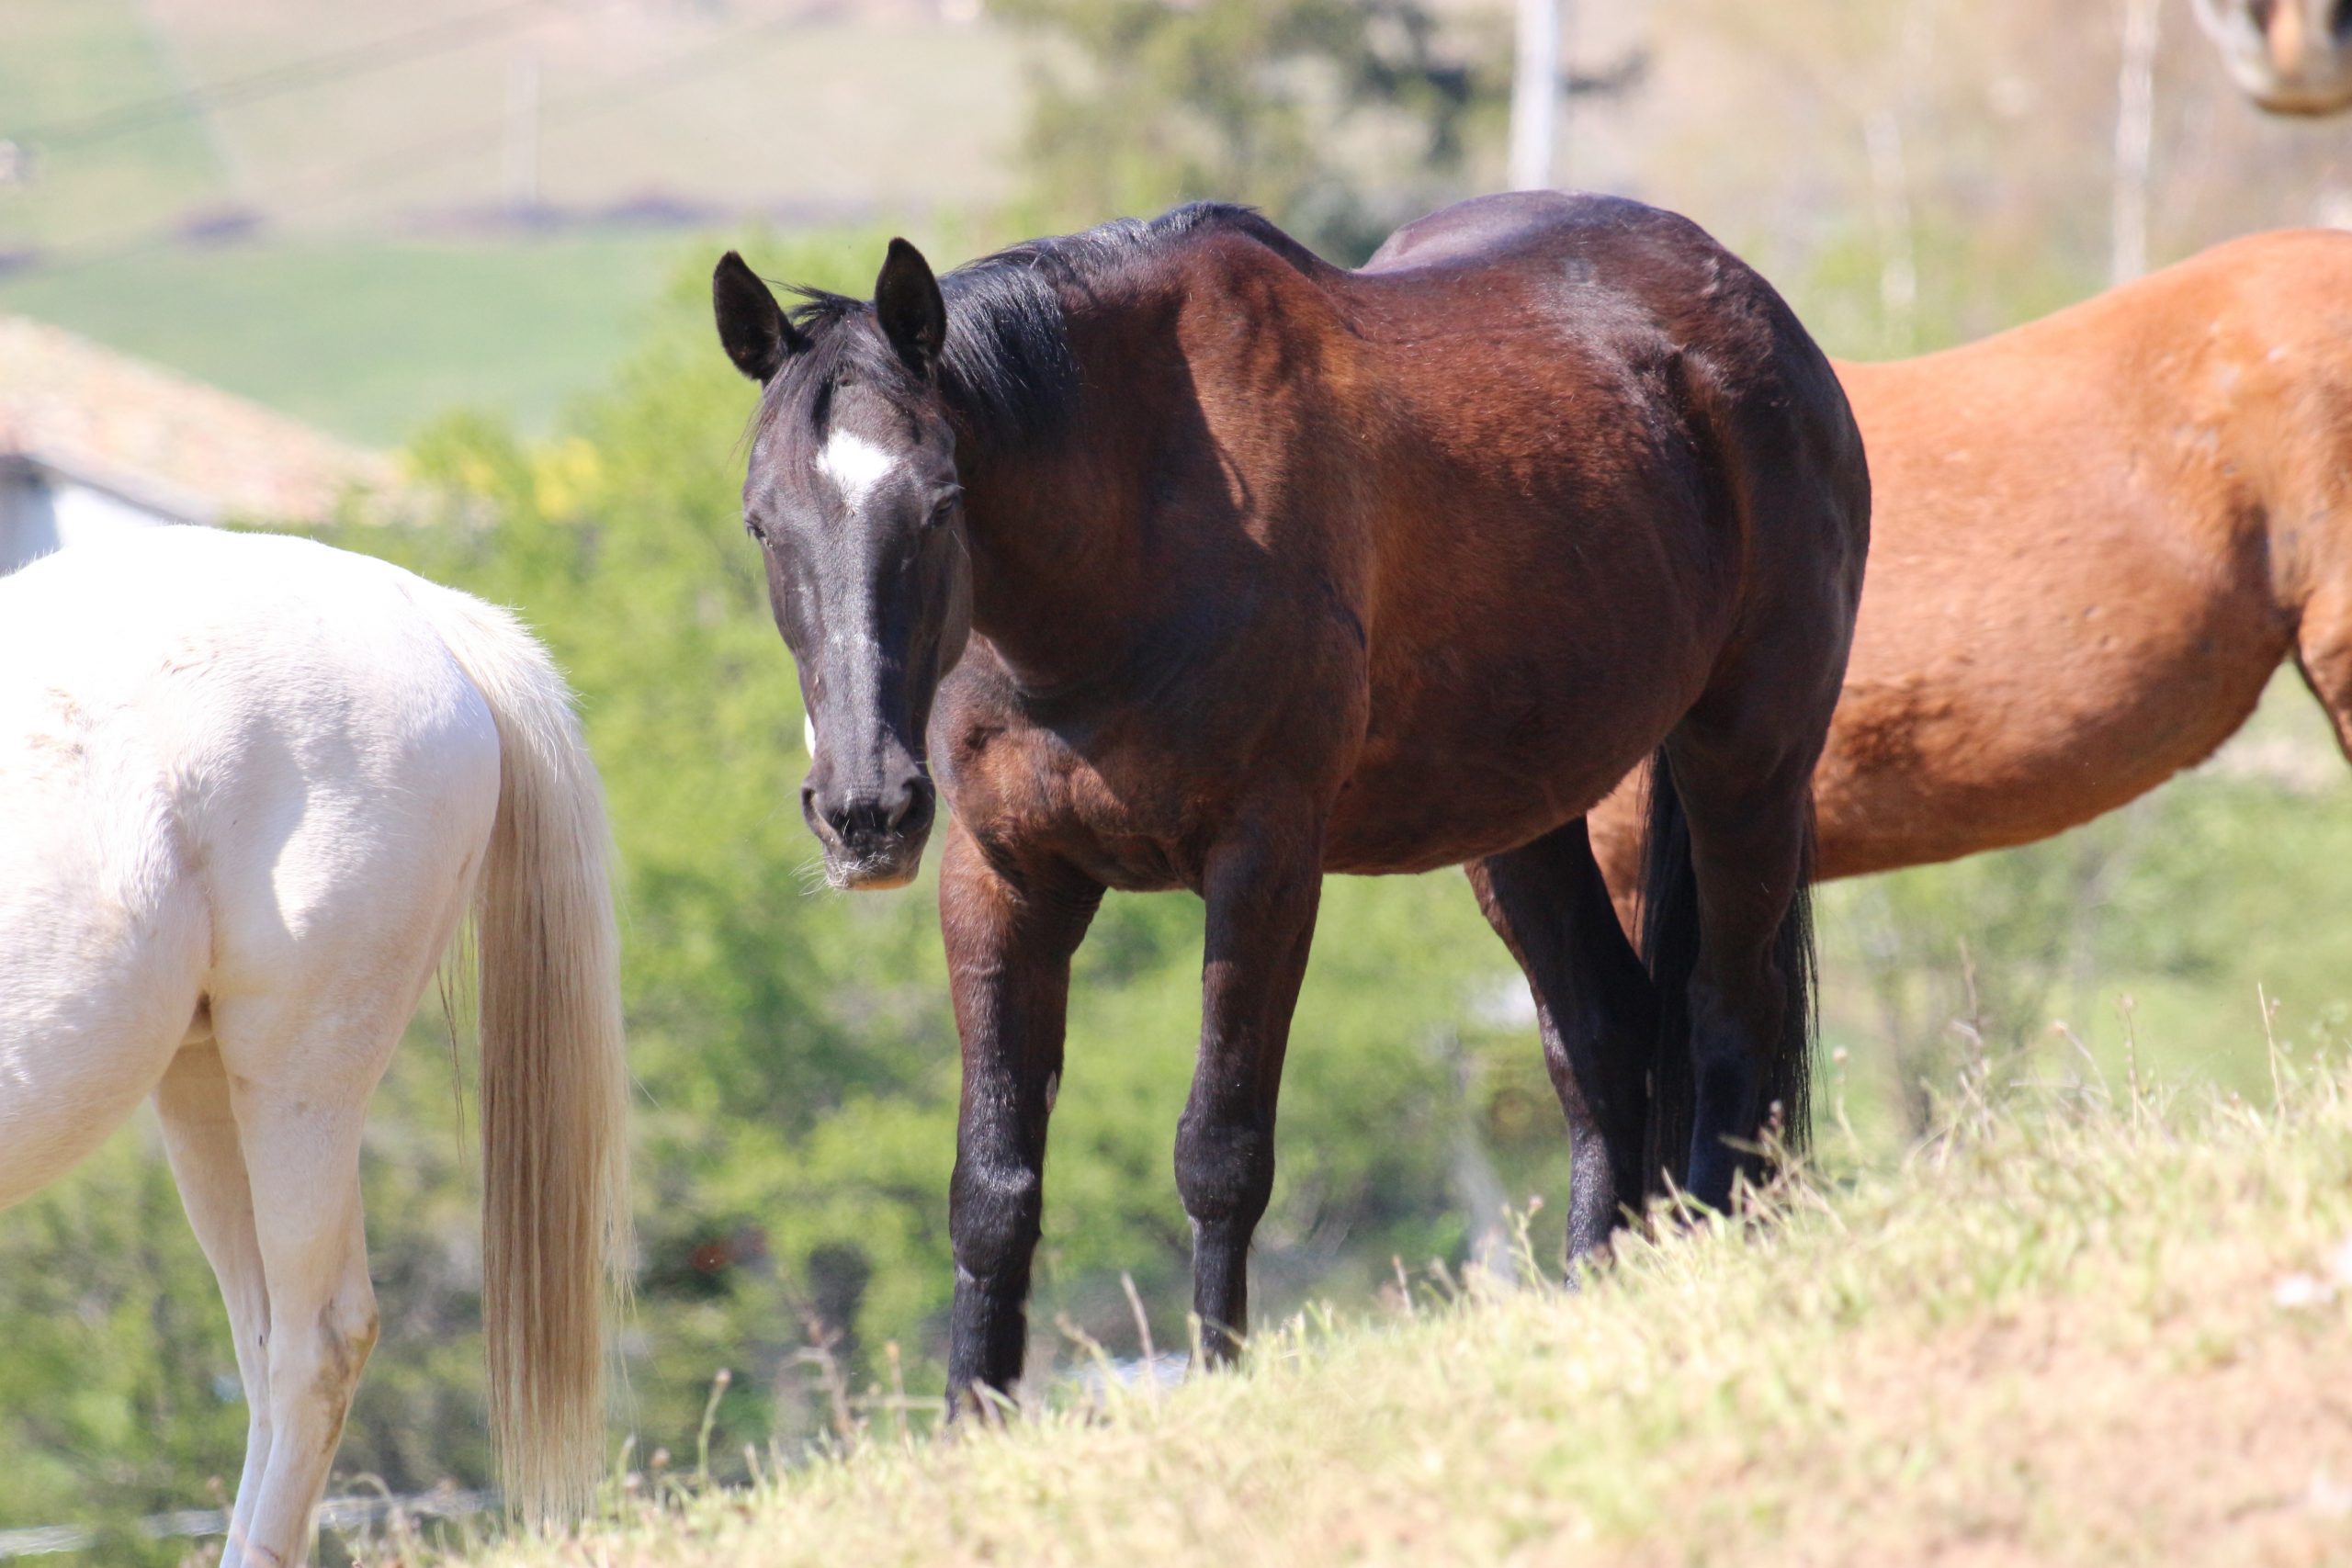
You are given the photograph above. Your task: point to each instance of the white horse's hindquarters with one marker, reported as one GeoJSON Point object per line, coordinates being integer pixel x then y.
{"type": "Point", "coordinates": [239, 768]}
{"type": "Point", "coordinates": [240, 771]}
{"type": "Point", "coordinates": [339, 868]}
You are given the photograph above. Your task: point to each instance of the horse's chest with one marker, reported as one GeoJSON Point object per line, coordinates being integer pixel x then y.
{"type": "Point", "coordinates": [1129, 826]}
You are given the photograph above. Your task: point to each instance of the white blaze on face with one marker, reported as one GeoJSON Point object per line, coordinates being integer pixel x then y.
{"type": "Point", "coordinates": [855, 466]}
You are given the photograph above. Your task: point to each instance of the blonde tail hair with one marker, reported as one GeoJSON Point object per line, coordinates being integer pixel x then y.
{"type": "Point", "coordinates": [556, 1222]}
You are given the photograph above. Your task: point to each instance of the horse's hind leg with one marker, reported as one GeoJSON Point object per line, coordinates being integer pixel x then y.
{"type": "Point", "coordinates": [1746, 799]}
{"type": "Point", "coordinates": [200, 1137]}
{"type": "Point", "coordinates": [303, 1069]}
{"type": "Point", "coordinates": [2323, 653]}
{"type": "Point", "coordinates": [1595, 1007]}
{"type": "Point", "coordinates": [1262, 884]}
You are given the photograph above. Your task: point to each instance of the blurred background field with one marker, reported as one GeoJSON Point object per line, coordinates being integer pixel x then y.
{"type": "Point", "coordinates": [479, 233]}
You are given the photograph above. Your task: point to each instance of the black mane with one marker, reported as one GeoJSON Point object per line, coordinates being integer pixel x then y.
{"type": "Point", "coordinates": [1007, 370]}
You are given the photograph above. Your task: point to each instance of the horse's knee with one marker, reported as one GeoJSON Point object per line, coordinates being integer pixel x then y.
{"type": "Point", "coordinates": [994, 1216]}
{"type": "Point", "coordinates": [1225, 1169]}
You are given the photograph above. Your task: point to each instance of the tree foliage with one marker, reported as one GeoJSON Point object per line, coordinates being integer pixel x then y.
{"type": "Point", "coordinates": [1289, 105]}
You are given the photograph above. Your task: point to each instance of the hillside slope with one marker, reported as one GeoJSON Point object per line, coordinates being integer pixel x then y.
{"type": "Point", "coordinates": [2075, 1332]}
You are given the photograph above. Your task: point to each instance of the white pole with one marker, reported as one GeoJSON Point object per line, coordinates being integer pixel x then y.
{"type": "Point", "coordinates": [2135, 134]}
{"type": "Point", "coordinates": [523, 134]}
{"type": "Point", "coordinates": [1898, 259]}
{"type": "Point", "coordinates": [1534, 94]}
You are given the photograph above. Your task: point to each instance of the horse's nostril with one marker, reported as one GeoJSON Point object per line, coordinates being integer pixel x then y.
{"type": "Point", "coordinates": [860, 819]}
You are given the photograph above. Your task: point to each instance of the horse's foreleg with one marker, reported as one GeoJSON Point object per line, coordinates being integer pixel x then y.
{"type": "Point", "coordinates": [200, 1137]}
{"type": "Point", "coordinates": [1009, 938]}
{"type": "Point", "coordinates": [1262, 885]}
{"type": "Point", "coordinates": [1595, 1007]}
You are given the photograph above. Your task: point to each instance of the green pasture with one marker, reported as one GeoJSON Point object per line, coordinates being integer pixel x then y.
{"type": "Point", "coordinates": [369, 338]}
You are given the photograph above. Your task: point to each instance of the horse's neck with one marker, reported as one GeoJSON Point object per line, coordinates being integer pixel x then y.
{"type": "Point", "coordinates": [1056, 578]}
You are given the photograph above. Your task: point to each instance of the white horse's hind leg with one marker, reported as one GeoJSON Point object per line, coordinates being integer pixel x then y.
{"type": "Point", "coordinates": [300, 1142]}
{"type": "Point", "coordinates": [201, 1136]}
{"type": "Point", "coordinates": [301, 1063]}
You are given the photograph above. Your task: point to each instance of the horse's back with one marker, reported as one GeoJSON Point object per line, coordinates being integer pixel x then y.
{"type": "Point", "coordinates": [1604, 272]}
{"type": "Point", "coordinates": [1488, 231]}
{"type": "Point", "coordinates": [232, 765]}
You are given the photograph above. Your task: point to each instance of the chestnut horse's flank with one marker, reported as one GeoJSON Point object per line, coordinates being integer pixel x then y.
{"type": "Point", "coordinates": [2095, 538]}
{"type": "Point", "coordinates": [1229, 569]}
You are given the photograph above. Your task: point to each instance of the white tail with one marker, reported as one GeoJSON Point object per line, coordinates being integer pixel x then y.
{"type": "Point", "coordinates": [554, 1081]}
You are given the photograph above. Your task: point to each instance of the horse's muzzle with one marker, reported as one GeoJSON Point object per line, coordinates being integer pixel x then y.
{"type": "Point", "coordinates": [873, 839]}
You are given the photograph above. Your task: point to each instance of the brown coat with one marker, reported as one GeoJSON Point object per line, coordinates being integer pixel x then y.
{"type": "Point", "coordinates": [2094, 538]}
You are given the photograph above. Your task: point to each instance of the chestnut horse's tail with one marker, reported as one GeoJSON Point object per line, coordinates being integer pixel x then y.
{"type": "Point", "coordinates": [1670, 949]}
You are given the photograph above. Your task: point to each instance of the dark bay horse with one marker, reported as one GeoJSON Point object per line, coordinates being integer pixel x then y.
{"type": "Point", "coordinates": [1183, 559]}
{"type": "Point", "coordinates": [2096, 538]}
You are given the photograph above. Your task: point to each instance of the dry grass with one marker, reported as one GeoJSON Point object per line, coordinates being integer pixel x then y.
{"type": "Point", "coordinates": [2073, 1332]}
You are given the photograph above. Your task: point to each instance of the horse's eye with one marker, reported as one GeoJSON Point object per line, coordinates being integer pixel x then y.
{"type": "Point", "coordinates": [941, 509]}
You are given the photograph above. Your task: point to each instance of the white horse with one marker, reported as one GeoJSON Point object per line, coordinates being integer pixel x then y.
{"type": "Point", "coordinates": [249, 786]}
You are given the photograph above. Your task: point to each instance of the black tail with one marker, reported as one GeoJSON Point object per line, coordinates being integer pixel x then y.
{"type": "Point", "coordinates": [1670, 949]}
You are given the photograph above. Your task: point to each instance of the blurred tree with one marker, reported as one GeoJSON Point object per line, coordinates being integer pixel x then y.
{"type": "Point", "coordinates": [1339, 118]}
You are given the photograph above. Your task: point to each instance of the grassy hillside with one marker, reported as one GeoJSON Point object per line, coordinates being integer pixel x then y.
{"type": "Point", "coordinates": [377, 286]}
{"type": "Point", "coordinates": [370, 339]}
{"type": "Point", "coordinates": [2093, 1327]}
{"type": "Point", "coordinates": [62, 62]}
{"type": "Point", "coordinates": [373, 117]}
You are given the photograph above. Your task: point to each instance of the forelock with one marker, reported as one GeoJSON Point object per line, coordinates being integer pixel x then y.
{"type": "Point", "coordinates": [846, 351]}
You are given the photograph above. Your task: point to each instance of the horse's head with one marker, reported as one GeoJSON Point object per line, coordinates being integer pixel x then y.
{"type": "Point", "coordinates": [854, 496]}
{"type": "Point", "coordinates": [2289, 56]}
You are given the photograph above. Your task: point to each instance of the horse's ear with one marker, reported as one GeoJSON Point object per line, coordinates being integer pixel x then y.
{"type": "Point", "coordinates": [758, 336]}
{"type": "Point", "coordinates": [906, 298]}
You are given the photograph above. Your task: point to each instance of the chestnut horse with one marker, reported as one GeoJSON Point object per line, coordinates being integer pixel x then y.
{"type": "Point", "coordinates": [2097, 536]}
{"type": "Point", "coordinates": [1189, 560]}
{"type": "Point", "coordinates": [2289, 56]}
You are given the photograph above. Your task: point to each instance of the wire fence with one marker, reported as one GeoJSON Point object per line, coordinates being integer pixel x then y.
{"type": "Point", "coordinates": [344, 1515]}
